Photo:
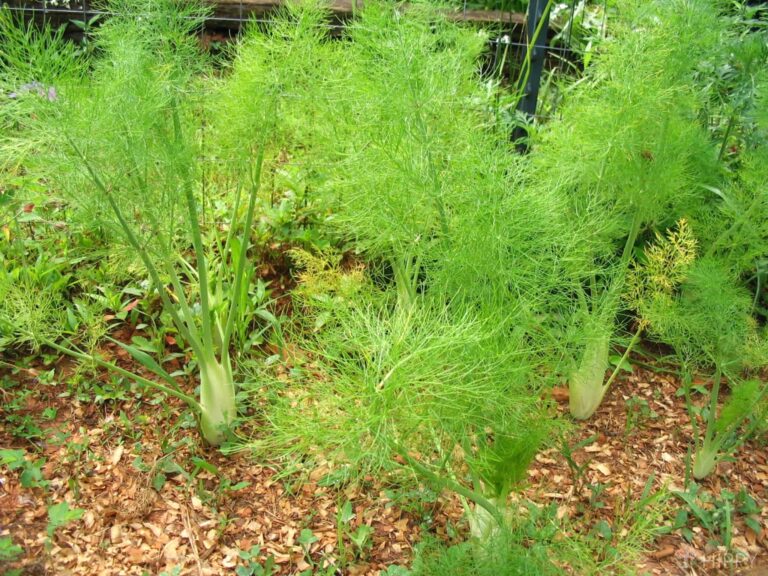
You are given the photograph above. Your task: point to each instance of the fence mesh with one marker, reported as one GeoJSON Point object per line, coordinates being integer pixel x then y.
{"type": "Point", "coordinates": [571, 29]}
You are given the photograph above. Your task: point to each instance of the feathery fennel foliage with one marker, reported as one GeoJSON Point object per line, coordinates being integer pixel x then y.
{"type": "Point", "coordinates": [506, 554]}
{"type": "Point", "coordinates": [123, 148]}
{"type": "Point", "coordinates": [119, 117]}
{"type": "Point", "coordinates": [279, 78]}
{"type": "Point", "coordinates": [630, 155]}
{"type": "Point", "coordinates": [30, 55]}
{"type": "Point", "coordinates": [709, 324]}
{"type": "Point", "coordinates": [427, 353]}
{"type": "Point", "coordinates": [436, 387]}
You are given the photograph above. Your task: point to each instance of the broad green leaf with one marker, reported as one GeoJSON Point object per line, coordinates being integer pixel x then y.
{"type": "Point", "coordinates": [61, 514]}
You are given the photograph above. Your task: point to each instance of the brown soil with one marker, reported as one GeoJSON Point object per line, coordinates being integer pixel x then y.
{"type": "Point", "coordinates": [109, 466]}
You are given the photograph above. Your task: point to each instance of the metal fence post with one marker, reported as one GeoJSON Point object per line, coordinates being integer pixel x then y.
{"type": "Point", "coordinates": [538, 14]}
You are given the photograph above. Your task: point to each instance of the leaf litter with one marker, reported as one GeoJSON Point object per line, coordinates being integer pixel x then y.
{"type": "Point", "coordinates": [136, 521]}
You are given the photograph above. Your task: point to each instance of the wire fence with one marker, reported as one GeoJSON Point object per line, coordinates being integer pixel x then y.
{"type": "Point", "coordinates": [63, 10]}
{"type": "Point", "coordinates": [552, 44]}
{"type": "Point", "coordinates": [529, 51]}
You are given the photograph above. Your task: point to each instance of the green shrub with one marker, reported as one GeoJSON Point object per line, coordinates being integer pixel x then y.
{"type": "Point", "coordinates": [632, 156]}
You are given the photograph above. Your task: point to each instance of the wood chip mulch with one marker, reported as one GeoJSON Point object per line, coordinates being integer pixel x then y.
{"type": "Point", "coordinates": [642, 433]}
{"type": "Point", "coordinates": [108, 466]}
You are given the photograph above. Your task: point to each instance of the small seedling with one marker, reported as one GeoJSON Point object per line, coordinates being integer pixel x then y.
{"type": "Point", "coordinates": [638, 412]}
{"type": "Point", "coordinates": [8, 550]}
{"type": "Point", "coordinates": [419, 502]}
{"type": "Point", "coordinates": [31, 472]}
{"type": "Point", "coordinates": [603, 530]}
{"type": "Point", "coordinates": [361, 538]}
{"type": "Point", "coordinates": [305, 540]}
{"type": "Point", "coordinates": [61, 514]}
{"type": "Point", "coordinates": [596, 491]}
{"type": "Point", "coordinates": [8, 553]}
{"type": "Point", "coordinates": [252, 566]}
{"type": "Point", "coordinates": [19, 423]}
{"type": "Point", "coordinates": [396, 570]}
{"type": "Point", "coordinates": [716, 514]}
{"type": "Point", "coordinates": [568, 452]}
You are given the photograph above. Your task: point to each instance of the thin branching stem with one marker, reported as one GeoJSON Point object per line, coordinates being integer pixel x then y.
{"type": "Point", "coordinates": [712, 417]}
{"type": "Point", "coordinates": [75, 353]}
{"type": "Point", "coordinates": [445, 482]}
{"type": "Point", "coordinates": [255, 178]}
{"type": "Point", "coordinates": [188, 334]}
{"type": "Point", "coordinates": [197, 241]}
{"type": "Point", "coordinates": [635, 340]}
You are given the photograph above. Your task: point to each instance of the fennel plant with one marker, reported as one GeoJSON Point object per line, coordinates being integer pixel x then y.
{"type": "Point", "coordinates": [631, 156]}
{"type": "Point", "coordinates": [699, 290]}
{"type": "Point", "coordinates": [209, 336]}
{"type": "Point", "coordinates": [435, 388]}
{"type": "Point", "coordinates": [716, 319]}
{"type": "Point", "coordinates": [124, 149]}
{"type": "Point", "coordinates": [708, 321]}
{"type": "Point", "coordinates": [425, 354]}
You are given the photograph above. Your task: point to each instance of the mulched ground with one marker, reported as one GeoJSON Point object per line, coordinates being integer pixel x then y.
{"type": "Point", "coordinates": [133, 525]}
{"type": "Point", "coordinates": [107, 468]}
{"type": "Point", "coordinates": [642, 433]}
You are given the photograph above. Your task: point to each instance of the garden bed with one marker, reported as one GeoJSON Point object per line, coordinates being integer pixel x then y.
{"type": "Point", "coordinates": [152, 501]}
{"type": "Point", "coordinates": [299, 308]}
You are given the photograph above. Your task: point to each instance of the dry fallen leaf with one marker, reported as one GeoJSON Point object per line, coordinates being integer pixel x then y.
{"type": "Point", "coordinates": [665, 552]}
{"type": "Point", "coordinates": [117, 454]}
{"type": "Point", "coordinates": [600, 467]}
{"type": "Point", "coordinates": [231, 558]}
{"type": "Point", "coordinates": [89, 519]}
{"type": "Point", "coordinates": [115, 533]}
